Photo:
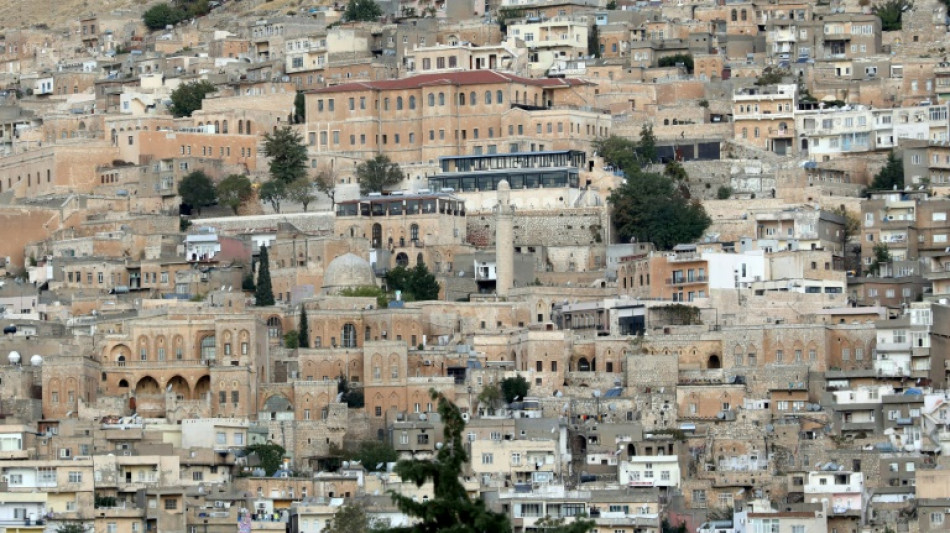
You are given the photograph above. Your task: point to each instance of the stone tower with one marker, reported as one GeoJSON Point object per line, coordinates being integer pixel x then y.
{"type": "Point", "coordinates": [504, 241]}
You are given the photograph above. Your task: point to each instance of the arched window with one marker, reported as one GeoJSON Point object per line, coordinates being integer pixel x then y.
{"type": "Point", "coordinates": [224, 126]}
{"type": "Point", "coordinates": [377, 235]}
{"type": "Point", "coordinates": [499, 97]}
{"type": "Point", "coordinates": [207, 348]}
{"type": "Point", "coordinates": [742, 15]}
{"type": "Point", "coordinates": [472, 98]}
{"type": "Point", "coordinates": [247, 127]}
{"type": "Point", "coordinates": [441, 98]}
{"type": "Point", "coordinates": [487, 97]}
{"type": "Point", "coordinates": [461, 98]}
{"type": "Point", "coordinates": [734, 16]}
{"type": "Point", "coordinates": [419, 259]}
{"type": "Point", "coordinates": [431, 99]}
{"type": "Point", "coordinates": [414, 232]}
{"type": "Point", "coordinates": [399, 103]}
{"type": "Point", "coordinates": [348, 336]}
{"type": "Point", "coordinates": [402, 260]}
{"type": "Point", "coordinates": [745, 133]}
{"type": "Point", "coordinates": [412, 102]}
{"type": "Point", "coordinates": [240, 127]}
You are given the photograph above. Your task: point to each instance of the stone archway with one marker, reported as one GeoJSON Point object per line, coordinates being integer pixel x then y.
{"type": "Point", "coordinates": [179, 386]}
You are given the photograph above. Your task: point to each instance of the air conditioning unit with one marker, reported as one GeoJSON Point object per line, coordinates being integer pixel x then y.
{"type": "Point", "coordinates": [427, 363]}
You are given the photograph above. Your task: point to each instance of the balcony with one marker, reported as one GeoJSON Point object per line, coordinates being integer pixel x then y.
{"type": "Point", "coordinates": [686, 281]}
{"type": "Point", "coordinates": [858, 426]}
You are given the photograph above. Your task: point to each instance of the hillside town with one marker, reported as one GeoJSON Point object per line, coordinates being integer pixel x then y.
{"type": "Point", "coordinates": [550, 266]}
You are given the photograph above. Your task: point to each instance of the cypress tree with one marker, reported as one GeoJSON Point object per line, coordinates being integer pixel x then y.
{"type": "Point", "coordinates": [303, 330]}
{"type": "Point", "coordinates": [263, 292]}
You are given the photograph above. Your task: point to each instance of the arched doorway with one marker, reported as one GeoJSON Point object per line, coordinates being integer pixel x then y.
{"type": "Point", "coordinates": [402, 260]}
{"type": "Point", "coordinates": [202, 388]}
{"type": "Point", "coordinates": [714, 362]}
{"type": "Point", "coordinates": [583, 365]}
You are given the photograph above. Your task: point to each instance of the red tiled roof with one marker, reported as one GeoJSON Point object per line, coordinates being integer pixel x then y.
{"type": "Point", "coordinates": [469, 77]}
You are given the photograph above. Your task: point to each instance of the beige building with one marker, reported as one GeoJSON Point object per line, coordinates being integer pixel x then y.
{"type": "Point", "coordinates": [416, 120]}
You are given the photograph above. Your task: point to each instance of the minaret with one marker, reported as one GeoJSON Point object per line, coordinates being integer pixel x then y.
{"type": "Point", "coordinates": [504, 241]}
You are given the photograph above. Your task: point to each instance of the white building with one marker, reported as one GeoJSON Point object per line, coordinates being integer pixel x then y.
{"type": "Point", "coordinates": [650, 471]}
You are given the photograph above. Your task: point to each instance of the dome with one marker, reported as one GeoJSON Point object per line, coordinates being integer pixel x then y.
{"type": "Point", "coordinates": [14, 357]}
{"type": "Point", "coordinates": [348, 270]}
{"type": "Point", "coordinates": [36, 360]}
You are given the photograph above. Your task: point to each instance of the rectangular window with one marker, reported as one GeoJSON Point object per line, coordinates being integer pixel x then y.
{"type": "Point", "coordinates": [488, 458]}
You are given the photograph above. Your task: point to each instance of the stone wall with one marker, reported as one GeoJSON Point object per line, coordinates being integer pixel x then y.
{"type": "Point", "coordinates": [567, 227]}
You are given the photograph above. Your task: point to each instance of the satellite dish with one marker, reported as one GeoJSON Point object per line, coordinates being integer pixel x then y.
{"type": "Point", "coordinates": [14, 357]}
{"type": "Point", "coordinates": [36, 360]}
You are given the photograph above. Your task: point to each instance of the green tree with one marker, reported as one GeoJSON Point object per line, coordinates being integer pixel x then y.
{"type": "Point", "coordinates": [771, 76]}
{"type": "Point", "coordinates": [300, 191]}
{"type": "Point", "coordinates": [351, 396]}
{"type": "Point", "coordinates": [675, 171]}
{"type": "Point", "coordinates": [292, 340]}
{"type": "Point", "coordinates": [516, 387]}
{"type": "Point", "coordinates": [196, 190]}
{"type": "Point", "coordinates": [73, 527]}
{"type": "Point", "coordinates": [671, 61]}
{"type": "Point", "coordinates": [161, 15]}
{"type": "Point", "coordinates": [618, 152]}
{"type": "Point", "coordinates": [650, 208]}
{"type": "Point", "coordinates": [491, 397]}
{"type": "Point", "coordinates": [186, 99]}
{"type": "Point", "coordinates": [351, 518]}
{"type": "Point", "coordinates": [891, 176]}
{"type": "Point", "coordinates": [234, 190]}
{"type": "Point", "coordinates": [303, 329]}
{"type": "Point", "coordinates": [724, 192]}
{"type": "Point", "coordinates": [263, 293]}
{"type": "Point", "coordinates": [891, 13]}
{"type": "Point", "coordinates": [377, 174]}
{"type": "Point", "coordinates": [374, 455]}
{"type": "Point", "coordinates": [667, 527]}
{"type": "Point", "coordinates": [560, 525]}
{"type": "Point", "coordinates": [416, 283]}
{"type": "Point", "coordinates": [288, 155]}
{"type": "Point", "coordinates": [300, 108]}
{"type": "Point", "coordinates": [362, 10]}
{"type": "Point", "coordinates": [612, 5]}
{"type": "Point", "coordinates": [593, 41]}
{"type": "Point", "coordinates": [450, 510]}
{"type": "Point", "coordinates": [882, 256]}
{"type": "Point", "coordinates": [273, 192]}
{"type": "Point", "coordinates": [647, 144]}
{"type": "Point", "coordinates": [270, 455]}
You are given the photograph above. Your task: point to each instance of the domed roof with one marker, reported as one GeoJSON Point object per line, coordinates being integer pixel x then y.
{"type": "Point", "coordinates": [348, 270]}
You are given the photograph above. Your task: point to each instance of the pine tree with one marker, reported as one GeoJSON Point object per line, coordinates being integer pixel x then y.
{"type": "Point", "coordinates": [303, 329]}
{"type": "Point", "coordinates": [891, 176]}
{"type": "Point", "coordinates": [263, 292]}
{"type": "Point", "coordinates": [450, 510]}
